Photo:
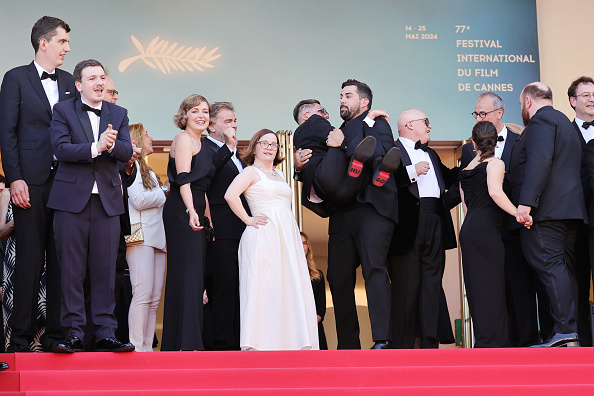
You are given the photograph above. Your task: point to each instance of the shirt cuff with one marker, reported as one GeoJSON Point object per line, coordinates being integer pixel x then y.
{"type": "Point", "coordinates": [112, 147]}
{"type": "Point", "coordinates": [412, 173]}
{"type": "Point", "coordinates": [94, 152]}
{"type": "Point", "coordinates": [369, 121]}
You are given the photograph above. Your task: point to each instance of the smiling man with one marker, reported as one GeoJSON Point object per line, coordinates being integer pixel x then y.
{"type": "Point", "coordinates": [89, 136]}
{"type": "Point", "coordinates": [27, 97]}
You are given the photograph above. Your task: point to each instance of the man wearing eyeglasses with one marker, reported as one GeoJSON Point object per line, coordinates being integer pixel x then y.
{"type": "Point", "coordinates": [110, 94]}
{"type": "Point", "coordinates": [581, 98]}
{"type": "Point", "coordinates": [324, 173]}
{"type": "Point", "coordinates": [425, 230]}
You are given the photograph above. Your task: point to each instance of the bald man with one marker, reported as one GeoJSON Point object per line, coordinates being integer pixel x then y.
{"type": "Point", "coordinates": [544, 176]}
{"type": "Point", "coordinates": [417, 252]}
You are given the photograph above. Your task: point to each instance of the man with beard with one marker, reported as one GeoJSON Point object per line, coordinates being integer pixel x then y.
{"type": "Point", "coordinates": [544, 176]}
{"type": "Point", "coordinates": [222, 283]}
{"type": "Point", "coordinates": [581, 98]}
{"type": "Point", "coordinates": [360, 231]}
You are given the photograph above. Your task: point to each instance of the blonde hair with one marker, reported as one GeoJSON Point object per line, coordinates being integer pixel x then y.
{"type": "Point", "coordinates": [136, 133]}
{"type": "Point", "coordinates": [314, 273]}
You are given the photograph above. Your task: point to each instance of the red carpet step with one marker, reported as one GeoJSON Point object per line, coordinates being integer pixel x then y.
{"type": "Point", "coordinates": [522, 371]}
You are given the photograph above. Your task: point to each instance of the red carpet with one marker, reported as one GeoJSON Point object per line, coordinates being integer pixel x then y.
{"type": "Point", "coordinates": [522, 371]}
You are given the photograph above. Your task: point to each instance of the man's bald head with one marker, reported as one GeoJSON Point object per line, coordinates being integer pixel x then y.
{"type": "Point", "coordinates": [414, 125]}
{"type": "Point", "coordinates": [534, 96]}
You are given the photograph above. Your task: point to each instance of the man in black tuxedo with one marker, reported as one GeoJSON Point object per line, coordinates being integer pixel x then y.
{"type": "Point", "coordinates": [360, 231]}
{"type": "Point", "coordinates": [581, 98]}
{"type": "Point", "coordinates": [544, 176]}
{"type": "Point", "coordinates": [87, 199]}
{"type": "Point", "coordinates": [521, 282]}
{"type": "Point", "coordinates": [417, 253]}
{"type": "Point", "coordinates": [27, 97]}
{"type": "Point", "coordinates": [221, 255]}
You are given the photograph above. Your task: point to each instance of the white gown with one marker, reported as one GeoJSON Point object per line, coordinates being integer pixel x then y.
{"type": "Point", "coordinates": [278, 311]}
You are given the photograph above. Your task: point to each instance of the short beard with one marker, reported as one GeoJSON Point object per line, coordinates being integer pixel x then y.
{"type": "Point", "coordinates": [525, 116]}
{"type": "Point", "coordinates": [346, 115]}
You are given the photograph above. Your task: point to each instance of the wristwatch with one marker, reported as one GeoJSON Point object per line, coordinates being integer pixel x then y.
{"type": "Point", "coordinates": [165, 189]}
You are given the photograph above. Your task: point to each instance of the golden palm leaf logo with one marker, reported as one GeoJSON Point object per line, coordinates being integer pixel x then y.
{"type": "Point", "coordinates": [160, 55]}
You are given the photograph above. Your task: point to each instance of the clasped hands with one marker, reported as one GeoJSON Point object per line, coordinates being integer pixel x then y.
{"type": "Point", "coordinates": [523, 216]}
{"type": "Point", "coordinates": [107, 139]}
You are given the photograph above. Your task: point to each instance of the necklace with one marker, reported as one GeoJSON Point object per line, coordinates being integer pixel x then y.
{"type": "Point", "coordinates": [270, 173]}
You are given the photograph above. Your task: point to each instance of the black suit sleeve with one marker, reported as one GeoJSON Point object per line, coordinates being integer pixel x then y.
{"type": "Point", "coordinates": [539, 146]}
{"type": "Point", "coordinates": [10, 99]}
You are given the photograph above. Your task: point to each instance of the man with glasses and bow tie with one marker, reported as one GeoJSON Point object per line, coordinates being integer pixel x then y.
{"type": "Point", "coordinates": [27, 97]}
{"type": "Point", "coordinates": [581, 98]}
{"type": "Point", "coordinates": [89, 136]}
{"type": "Point", "coordinates": [425, 230]}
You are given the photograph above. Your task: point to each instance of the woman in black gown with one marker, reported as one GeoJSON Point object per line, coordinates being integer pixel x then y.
{"type": "Point", "coordinates": [190, 171]}
{"type": "Point", "coordinates": [483, 254]}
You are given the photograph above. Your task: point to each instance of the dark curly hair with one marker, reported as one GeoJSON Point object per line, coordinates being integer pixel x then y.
{"type": "Point", "coordinates": [484, 135]}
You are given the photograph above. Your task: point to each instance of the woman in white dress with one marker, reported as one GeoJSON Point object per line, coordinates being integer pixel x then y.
{"type": "Point", "coordinates": [146, 259]}
{"type": "Point", "coordinates": [277, 311]}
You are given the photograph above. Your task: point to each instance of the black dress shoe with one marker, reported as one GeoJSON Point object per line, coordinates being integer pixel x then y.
{"type": "Point", "coordinates": [71, 345]}
{"type": "Point", "coordinates": [363, 152]}
{"type": "Point", "coordinates": [381, 345]}
{"type": "Point", "coordinates": [560, 340]}
{"type": "Point", "coordinates": [12, 348]}
{"type": "Point", "coordinates": [4, 366]}
{"type": "Point", "coordinates": [110, 344]}
{"type": "Point", "coordinates": [390, 163]}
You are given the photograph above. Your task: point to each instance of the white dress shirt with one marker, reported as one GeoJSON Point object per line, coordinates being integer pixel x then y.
{"type": "Point", "coordinates": [427, 184]}
{"type": "Point", "coordinates": [586, 133]}
{"type": "Point", "coordinates": [49, 86]}
{"type": "Point", "coordinates": [500, 145]}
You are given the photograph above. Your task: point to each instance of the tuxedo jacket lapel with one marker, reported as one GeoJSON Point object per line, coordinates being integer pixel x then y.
{"type": "Point", "coordinates": [507, 148]}
{"type": "Point", "coordinates": [85, 122]}
{"type": "Point", "coordinates": [406, 161]}
{"type": "Point", "coordinates": [38, 87]}
{"type": "Point", "coordinates": [104, 120]}
{"type": "Point", "coordinates": [435, 164]}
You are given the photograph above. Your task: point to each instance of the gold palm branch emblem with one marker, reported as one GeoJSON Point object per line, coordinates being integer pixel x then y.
{"type": "Point", "coordinates": [160, 55]}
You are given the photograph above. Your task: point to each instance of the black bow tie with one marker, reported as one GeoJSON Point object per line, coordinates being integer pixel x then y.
{"type": "Point", "coordinates": [587, 125]}
{"type": "Point", "coordinates": [86, 107]}
{"type": "Point", "coordinates": [45, 75]}
{"type": "Point", "coordinates": [422, 146]}
{"type": "Point", "coordinates": [500, 138]}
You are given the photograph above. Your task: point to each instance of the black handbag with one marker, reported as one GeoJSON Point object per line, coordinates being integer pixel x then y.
{"type": "Point", "coordinates": [208, 230]}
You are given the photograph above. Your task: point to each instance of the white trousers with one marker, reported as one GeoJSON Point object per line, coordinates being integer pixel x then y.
{"type": "Point", "coordinates": [147, 270]}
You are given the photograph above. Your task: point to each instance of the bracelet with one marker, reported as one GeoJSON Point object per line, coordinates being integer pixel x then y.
{"type": "Point", "coordinates": [188, 210]}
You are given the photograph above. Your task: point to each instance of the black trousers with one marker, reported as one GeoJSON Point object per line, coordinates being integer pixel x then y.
{"type": "Point", "coordinates": [223, 292]}
{"type": "Point", "coordinates": [359, 236]}
{"type": "Point", "coordinates": [88, 239]}
{"type": "Point", "coordinates": [416, 286]}
{"type": "Point", "coordinates": [581, 268]}
{"type": "Point", "coordinates": [35, 248]}
{"type": "Point", "coordinates": [548, 248]}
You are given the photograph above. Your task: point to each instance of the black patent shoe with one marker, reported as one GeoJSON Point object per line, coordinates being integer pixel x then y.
{"type": "Point", "coordinates": [71, 345]}
{"type": "Point", "coordinates": [381, 345]}
{"type": "Point", "coordinates": [4, 366]}
{"type": "Point", "coordinates": [390, 163]}
{"type": "Point", "coordinates": [111, 344]}
{"type": "Point", "coordinates": [560, 340]}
